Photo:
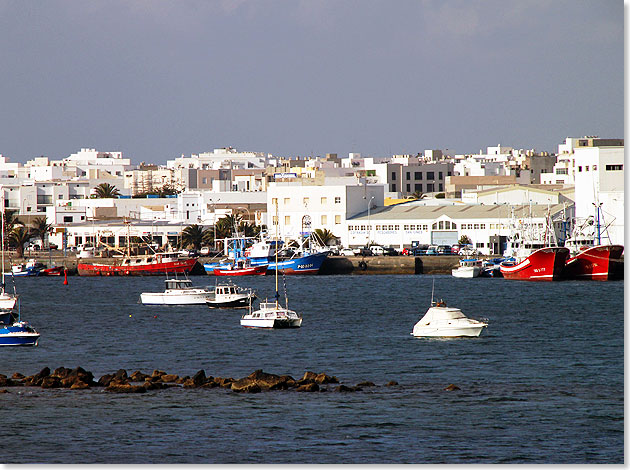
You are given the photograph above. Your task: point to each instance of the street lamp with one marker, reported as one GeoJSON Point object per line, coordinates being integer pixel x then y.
{"type": "Point", "coordinates": [369, 222]}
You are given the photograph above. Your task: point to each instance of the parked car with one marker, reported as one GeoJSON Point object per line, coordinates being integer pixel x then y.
{"type": "Point", "coordinates": [377, 250]}
{"type": "Point", "coordinates": [362, 251]}
{"type": "Point", "coordinates": [444, 250]}
{"type": "Point", "coordinates": [468, 250]}
{"type": "Point", "coordinates": [455, 249]}
{"type": "Point", "coordinates": [432, 250]}
{"type": "Point", "coordinates": [389, 251]}
{"type": "Point", "coordinates": [346, 252]}
{"type": "Point", "coordinates": [420, 250]}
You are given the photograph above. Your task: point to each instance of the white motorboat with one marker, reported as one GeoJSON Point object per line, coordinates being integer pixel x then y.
{"type": "Point", "coordinates": [178, 292]}
{"type": "Point", "coordinates": [444, 321]}
{"type": "Point", "coordinates": [468, 268]}
{"type": "Point", "coordinates": [230, 296]}
{"type": "Point", "coordinates": [271, 315]}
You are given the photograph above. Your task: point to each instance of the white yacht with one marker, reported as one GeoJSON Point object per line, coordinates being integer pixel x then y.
{"type": "Point", "coordinates": [444, 321]}
{"type": "Point", "coordinates": [468, 268]}
{"type": "Point", "coordinates": [271, 315]}
{"type": "Point", "coordinates": [177, 292]}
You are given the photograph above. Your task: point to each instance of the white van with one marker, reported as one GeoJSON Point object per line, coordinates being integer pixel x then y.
{"type": "Point", "coordinates": [377, 250]}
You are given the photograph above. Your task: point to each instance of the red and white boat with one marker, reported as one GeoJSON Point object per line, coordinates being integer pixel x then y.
{"type": "Point", "coordinates": [157, 264]}
{"type": "Point", "coordinates": [543, 264]}
{"type": "Point", "coordinates": [598, 263]}
{"type": "Point", "coordinates": [231, 270]}
{"type": "Point", "coordinates": [590, 259]}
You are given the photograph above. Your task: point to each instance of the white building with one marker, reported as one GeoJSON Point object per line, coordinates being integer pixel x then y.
{"type": "Point", "coordinates": [221, 158]}
{"type": "Point", "coordinates": [304, 208]}
{"type": "Point", "coordinates": [487, 226]}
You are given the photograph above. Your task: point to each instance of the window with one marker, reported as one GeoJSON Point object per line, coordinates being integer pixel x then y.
{"type": "Point", "coordinates": [406, 227]}
{"type": "Point", "coordinates": [476, 227]}
{"type": "Point", "coordinates": [67, 218]}
{"type": "Point", "coordinates": [441, 225]}
{"type": "Point", "coordinates": [337, 200]}
{"type": "Point", "coordinates": [275, 220]}
{"type": "Point", "coordinates": [337, 219]}
{"type": "Point", "coordinates": [482, 226]}
{"type": "Point", "coordinates": [305, 201]}
{"type": "Point", "coordinates": [448, 173]}
{"type": "Point", "coordinates": [393, 176]}
{"type": "Point", "coordinates": [613, 167]}
{"type": "Point", "coordinates": [430, 187]}
{"type": "Point", "coordinates": [441, 176]}
{"type": "Point", "coordinates": [324, 219]}
{"type": "Point", "coordinates": [440, 188]}
{"type": "Point", "coordinates": [562, 171]}
{"type": "Point", "coordinates": [580, 169]}
{"type": "Point", "coordinates": [408, 175]}
{"type": "Point", "coordinates": [408, 188]}
{"type": "Point", "coordinates": [594, 167]}
{"type": "Point", "coordinates": [287, 200]}
{"type": "Point", "coordinates": [393, 188]}
{"type": "Point", "coordinates": [323, 200]}
{"type": "Point", "coordinates": [204, 180]}
{"type": "Point", "coordinates": [430, 175]}
{"type": "Point", "coordinates": [287, 220]}
{"type": "Point", "coordinates": [586, 168]}
{"type": "Point", "coordinates": [417, 187]}
{"type": "Point", "coordinates": [274, 201]}
{"type": "Point", "coordinates": [417, 175]}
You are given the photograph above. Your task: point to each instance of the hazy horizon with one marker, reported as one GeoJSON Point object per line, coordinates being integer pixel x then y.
{"type": "Point", "coordinates": [157, 79]}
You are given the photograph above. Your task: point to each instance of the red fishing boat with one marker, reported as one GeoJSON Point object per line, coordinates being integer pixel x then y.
{"type": "Point", "coordinates": [543, 264]}
{"type": "Point", "coordinates": [600, 263]}
{"type": "Point", "coordinates": [157, 264]}
{"type": "Point", "coordinates": [231, 270]}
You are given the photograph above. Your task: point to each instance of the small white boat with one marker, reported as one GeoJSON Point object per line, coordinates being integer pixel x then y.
{"type": "Point", "coordinates": [444, 321]}
{"type": "Point", "coordinates": [230, 296]}
{"type": "Point", "coordinates": [271, 315]}
{"type": "Point", "coordinates": [177, 292]}
{"type": "Point", "coordinates": [468, 268]}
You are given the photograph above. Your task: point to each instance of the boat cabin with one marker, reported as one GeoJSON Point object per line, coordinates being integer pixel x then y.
{"type": "Point", "coordinates": [178, 283]}
{"type": "Point", "coordinates": [226, 290]}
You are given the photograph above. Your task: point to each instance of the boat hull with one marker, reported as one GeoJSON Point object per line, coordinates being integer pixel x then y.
{"type": "Point", "coordinates": [161, 298]}
{"type": "Point", "coordinates": [141, 269]}
{"type": "Point", "coordinates": [250, 271]}
{"type": "Point", "coordinates": [235, 303]}
{"type": "Point", "coordinates": [449, 332]}
{"type": "Point", "coordinates": [599, 263]}
{"type": "Point", "coordinates": [466, 272]}
{"type": "Point", "coordinates": [308, 264]}
{"type": "Point", "coordinates": [271, 323]}
{"type": "Point", "coordinates": [544, 264]}
{"type": "Point", "coordinates": [16, 335]}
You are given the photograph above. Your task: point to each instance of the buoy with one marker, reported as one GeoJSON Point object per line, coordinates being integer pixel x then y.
{"type": "Point", "coordinates": [65, 277]}
{"type": "Point", "coordinates": [154, 316]}
{"type": "Point", "coordinates": [129, 316]}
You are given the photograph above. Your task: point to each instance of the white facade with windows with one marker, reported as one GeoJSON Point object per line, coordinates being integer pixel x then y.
{"type": "Point", "coordinates": [304, 208]}
{"type": "Point", "coordinates": [487, 226]}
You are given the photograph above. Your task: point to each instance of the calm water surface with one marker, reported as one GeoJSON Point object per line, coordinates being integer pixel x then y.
{"type": "Point", "coordinates": [543, 384]}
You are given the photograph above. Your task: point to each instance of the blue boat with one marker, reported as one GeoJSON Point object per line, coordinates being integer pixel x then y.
{"type": "Point", "coordinates": [20, 333]}
{"type": "Point", "coordinates": [262, 253]}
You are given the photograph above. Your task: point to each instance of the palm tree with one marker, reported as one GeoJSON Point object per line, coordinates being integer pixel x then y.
{"type": "Point", "coordinates": [106, 190]}
{"type": "Point", "coordinates": [10, 221]}
{"type": "Point", "coordinates": [248, 230]}
{"type": "Point", "coordinates": [41, 228]}
{"type": "Point", "coordinates": [226, 226]}
{"type": "Point", "coordinates": [464, 240]}
{"type": "Point", "coordinates": [193, 236]}
{"type": "Point", "coordinates": [418, 195]}
{"type": "Point", "coordinates": [18, 236]}
{"type": "Point", "coordinates": [325, 236]}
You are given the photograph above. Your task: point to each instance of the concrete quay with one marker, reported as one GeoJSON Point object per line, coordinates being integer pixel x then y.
{"type": "Point", "coordinates": [332, 265]}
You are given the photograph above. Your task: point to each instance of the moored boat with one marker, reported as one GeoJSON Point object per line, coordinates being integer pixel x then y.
{"type": "Point", "coordinates": [601, 263]}
{"type": "Point", "coordinates": [30, 268]}
{"type": "Point", "coordinates": [544, 264]}
{"type": "Point", "coordinates": [242, 269]}
{"type": "Point", "coordinates": [468, 268]}
{"type": "Point", "coordinates": [177, 292]}
{"type": "Point", "coordinates": [157, 264]}
{"type": "Point", "coordinates": [230, 296]}
{"type": "Point", "coordinates": [20, 333]}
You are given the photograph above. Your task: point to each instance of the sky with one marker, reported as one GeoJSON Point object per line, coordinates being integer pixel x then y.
{"type": "Point", "coordinates": [157, 79]}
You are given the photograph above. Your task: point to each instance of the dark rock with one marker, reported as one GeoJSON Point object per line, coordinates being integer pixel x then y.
{"type": "Point", "coordinates": [326, 379]}
{"type": "Point", "coordinates": [212, 384]}
{"type": "Point", "coordinates": [270, 381]}
{"type": "Point", "coordinates": [158, 373]}
{"type": "Point", "coordinates": [105, 380]}
{"type": "Point", "coordinates": [452, 387]}
{"type": "Point", "coordinates": [61, 372]}
{"type": "Point", "coordinates": [308, 377]}
{"type": "Point", "coordinates": [182, 380]}
{"type": "Point", "coordinates": [138, 376]}
{"type": "Point", "coordinates": [245, 387]}
{"type": "Point", "coordinates": [199, 378]}
{"type": "Point", "coordinates": [125, 388]}
{"type": "Point", "coordinates": [5, 381]}
{"type": "Point", "coordinates": [4, 390]}
{"type": "Point", "coordinates": [82, 374]}
{"type": "Point", "coordinates": [17, 376]}
{"type": "Point", "coordinates": [51, 382]}
{"type": "Point", "coordinates": [153, 385]}
{"type": "Point", "coordinates": [366, 384]}
{"type": "Point", "coordinates": [169, 378]}
{"type": "Point", "coordinates": [79, 385]}
{"type": "Point", "coordinates": [224, 382]}
{"type": "Point", "coordinates": [310, 387]}
{"type": "Point", "coordinates": [36, 380]}
{"type": "Point", "coordinates": [391, 383]}
{"type": "Point", "coordinates": [121, 375]}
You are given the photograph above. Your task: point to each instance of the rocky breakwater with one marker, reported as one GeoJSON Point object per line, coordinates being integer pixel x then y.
{"type": "Point", "coordinates": [139, 382]}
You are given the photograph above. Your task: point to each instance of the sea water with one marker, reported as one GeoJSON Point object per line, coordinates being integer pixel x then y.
{"type": "Point", "coordinates": [542, 384]}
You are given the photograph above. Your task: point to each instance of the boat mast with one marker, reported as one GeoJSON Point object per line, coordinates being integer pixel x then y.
{"type": "Point", "coordinates": [276, 253]}
{"type": "Point", "coordinates": [2, 244]}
